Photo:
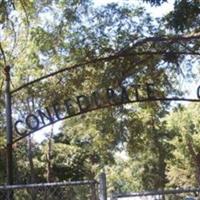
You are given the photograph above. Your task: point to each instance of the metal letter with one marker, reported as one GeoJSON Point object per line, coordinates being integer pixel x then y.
{"type": "Point", "coordinates": [69, 106]}
{"type": "Point", "coordinates": [124, 95]}
{"type": "Point", "coordinates": [17, 130]}
{"type": "Point", "coordinates": [112, 97]}
{"type": "Point", "coordinates": [198, 92]}
{"type": "Point", "coordinates": [96, 98]}
{"type": "Point", "coordinates": [30, 125]}
{"type": "Point", "coordinates": [136, 91]}
{"type": "Point", "coordinates": [150, 92]}
{"type": "Point", "coordinates": [46, 115]}
{"type": "Point", "coordinates": [83, 103]}
{"type": "Point", "coordinates": [58, 111]}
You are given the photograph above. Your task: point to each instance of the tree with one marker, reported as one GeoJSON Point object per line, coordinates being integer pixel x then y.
{"type": "Point", "coordinates": [155, 2]}
{"type": "Point", "coordinates": [183, 169]}
{"type": "Point", "coordinates": [106, 47]}
{"type": "Point", "coordinates": [85, 149]}
{"type": "Point", "coordinates": [184, 17]}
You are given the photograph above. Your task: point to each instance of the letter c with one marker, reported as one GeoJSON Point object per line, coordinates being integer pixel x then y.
{"type": "Point", "coordinates": [198, 92]}
{"type": "Point", "coordinates": [33, 126]}
{"type": "Point", "coordinates": [17, 130]}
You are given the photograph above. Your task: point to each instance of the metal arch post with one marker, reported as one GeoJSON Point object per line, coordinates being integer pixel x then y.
{"type": "Point", "coordinates": [9, 131]}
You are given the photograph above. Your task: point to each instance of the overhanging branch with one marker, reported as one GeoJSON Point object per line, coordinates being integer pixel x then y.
{"type": "Point", "coordinates": [123, 54]}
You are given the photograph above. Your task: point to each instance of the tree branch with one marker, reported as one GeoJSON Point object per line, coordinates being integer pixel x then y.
{"type": "Point", "coordinates": [3, 54]}
{"type": "Point", "coordinates": [123, 53]}
{"type": "Point", "coordinates": [191, 149]}
{"type": "Point", "coordinates": [173, 39]}
{"type": "Point", "coordinates": [25, 11]}
{"type": "Point", "coordinates": [168, 39]}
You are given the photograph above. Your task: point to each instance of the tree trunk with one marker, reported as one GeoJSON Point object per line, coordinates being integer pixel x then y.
{"type": "Point", "coordinates": [30, 158]}
{"type": "Point", "coordinates": [196, 159]}
{"type": "Point", "coordinates": [49, 152]}
{"type": "Point", "coordinates": [31, 164]}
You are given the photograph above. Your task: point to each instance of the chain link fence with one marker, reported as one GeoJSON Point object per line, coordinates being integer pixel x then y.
{"type": "Point", "coordinates": [78, 190]}
{"type": "Point", "coordinates": [175, 194]}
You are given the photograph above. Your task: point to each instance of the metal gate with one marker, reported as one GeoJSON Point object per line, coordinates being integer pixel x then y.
{"type": "Point", "coordinates": [173, 194]}
{"type": "Point", "coordinates": [77, 190]}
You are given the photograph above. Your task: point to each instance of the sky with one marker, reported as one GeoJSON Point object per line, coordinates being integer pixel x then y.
{"type": "Point", "coordinates": [158, 11]}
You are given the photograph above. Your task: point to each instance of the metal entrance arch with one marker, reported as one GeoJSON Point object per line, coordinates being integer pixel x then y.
{"type": "Point", "coordinates": [9, 94]}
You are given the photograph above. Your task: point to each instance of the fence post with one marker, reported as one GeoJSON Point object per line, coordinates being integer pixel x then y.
{"type": "Point", "coordinates": [9, 132]}
{"type": "Point", "coordinates": [113, 196]}
{"type": "Point", "coordinates": [102, 187]}
{"type": "Point", "coordinates": [93, 191]}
